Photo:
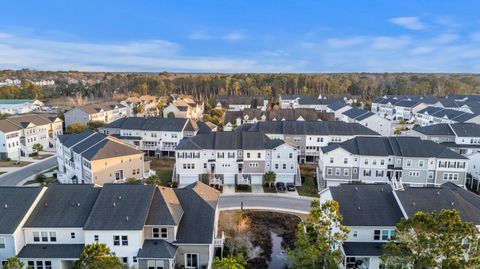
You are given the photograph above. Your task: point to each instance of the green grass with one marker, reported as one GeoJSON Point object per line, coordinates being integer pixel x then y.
{"type": "Point", "coordinates": [243, 188]}
{"type": "Point", "coordinates": [309, 184]}
{"type": "Point", "coordinates": [267, 189]}
{"type": "Point", "coordinates": [13, 164]}
{"type": "Point", "coordinates": [164, 168]}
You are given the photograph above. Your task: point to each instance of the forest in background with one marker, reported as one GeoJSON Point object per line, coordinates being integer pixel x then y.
{"type": "Point", "coordinates": [102, 85]}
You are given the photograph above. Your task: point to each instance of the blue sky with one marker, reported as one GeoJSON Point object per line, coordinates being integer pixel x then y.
{"type": "Point", "coordinates": [241, 36]}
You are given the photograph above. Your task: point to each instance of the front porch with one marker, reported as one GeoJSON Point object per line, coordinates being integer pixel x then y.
{"type": "Point", "coordinates": [362, 255]}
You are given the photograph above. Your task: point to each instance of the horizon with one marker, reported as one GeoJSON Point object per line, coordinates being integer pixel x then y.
{"type": "Point", "coordinates": [268, 37]}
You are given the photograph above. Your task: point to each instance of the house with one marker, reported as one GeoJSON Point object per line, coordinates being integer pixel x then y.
{"type": "Point", "coordinates": [10, 82]}
{"type": "Point", "coordinates": [305, 101]}
{"type": "Point", "coordinates": [371, 211]}
{"type": "Point", "coordinates": [401, 106]}
{"type": "Point", "coordinates": [463, 138]}
{"type": "Point", "coordinates": [145, 226]}
{"type": "Point", "coordinates": [19, 106]}
{"type": "Point", "coordinates": [368, 119]}
{"type": "Point", "coordinates": [227, 158]}
{"type": "Point", "coordinates": [103, 112]}
{"type": "Point", "coordinates": [434, 115]}
{"type": "Point", "coordinates": [148, 102]}
{"type": "Point", "coordinates": [96, 158]}
{"type": "Point", "coordinates": [42, 82]}
{"type": "Point", "coordinates": [18, 134]}
{"type": "Point", "coordinates": [184, 106]}
{"type": "Point", "coordinates": [393, 160]}
{"type": "Point", "coordinates": [338, 108]}
{"type": "Point", "coordinates": [17, 205]}
{"type": "Point", "coordinates": [465, 103]}
{"type": "Point", "coordinates": [232, 119]}
{"type": "Point", "coordinates": [241, 102]}
{"type": "Point", "coordinates": [156, 135]}
{"type": "Point", "coordinates": [309, 136]}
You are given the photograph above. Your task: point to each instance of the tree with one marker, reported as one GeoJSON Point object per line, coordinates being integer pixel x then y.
{"type": "Point", "coordinates": [227, 263]}
{"type": "Point", "coordinates": [36, 148]}
{"type": "Point", "coordinates": [13, 263]}
{"type": "Point", "coordinates": [138, 109]}
{"type": "Point", "coordinates": [270, 178]}
{"type": "Point", "coordinates": [171, 115]}
{"type": "Point", "coordinates": [97, 256]}
{"type": "Point", "coordinates": [318, 238]}
{"type": "Point", "coordinates": [132, 181]}
{"type": "Point", "coordinates": [94, 125]}
{"type": "Point", "coordinates": [76, 128]}
{"type": "Point", "coordinates": [435, 240]}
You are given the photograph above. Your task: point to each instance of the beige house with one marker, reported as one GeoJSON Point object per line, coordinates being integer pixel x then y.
{"type": "Point", "coordinates": [184, 106]}
{"type": "Point", "coordinates": [103, 112]}
{"type": "Point", "coordinates": [91, 157]}
{"type": "Point", "coordinates": [148, 102]}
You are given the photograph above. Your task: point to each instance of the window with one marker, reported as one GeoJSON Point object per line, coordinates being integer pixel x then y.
{"type": "Point", "coordinates": [385, 234]}
{"type": "Point", "coordinates": [367, 173]}
{"type": "Point", "coordinates": [450, 176]}
{"type": "Point", "coordinates": [259, 155]}
{"type": "Point", "coordinates": [331, 159]}
{"type": "Point", "coordinates": [155, 233]}
{"type": "Point", "coordinates": [414, 173]}
{"type": "Point", "coordinates": [155, 264]}
{"type": "Point", "coordinates": [36, 237]}
{"type": "Point", "coordinates": [376, 235]}
{"type": "Point", "coordinates": [53, 237]}
{"type": "Point", "coordinates": [382, 162]}
{"type": "Point", "coordinates": [409, 163]}
{"type": "Point", "coordinates": [337, 171]}
{"type": "Point", "coordinates": [95, 238]}
{"type": "Point", "coordinates": [2, 242]}
{"type": "Point", "coordinates": [388, 234]}
{"type": "Point", "coordinates": [31, 264]}
{"type": "Point", "coordinates": [366, 161]}
{"type": "Point", "coordinates": [44, 236]}
{"type": "Point", "coordinates": [253, 164]}
{"type": "Point", "coordinates": [119, 175]}
{"type": "Point", "coordinates": [135, 259]}
{"type": "Point", "coordinates": [48, 265]}
{"type": "Point", "coordinates": [379, 173]}
{"type": "Point", "coordinates": [345, 160]}
{"type": "Point", "coordinates": [355, 233]}
{"type": "Point", "coordinates": [421, 163]}
{"type": "Point", "coordinates": [164, 233]}
{"type": "Point", "coordinates": [116, 240]}
{"type": "Point", "coordinates": [290, 155]}
{"type": "Point", "coordinates": [39, 264]}
{"type": "Point", "coordinates": [284, 166]}
{"type": "Point", "coordinates": [374, 162]}
{"type": "Point", "coordinates": [125, 260]}
{"type": "Point", "coordinates": [346, 172]}
{"type": "Point", "coordinates": [124, 240]}
{"type": "Point", "coordinates": [276, 166]}
{"type": "Point", "coordinates": [329, 171]}
{"type": "Point", "coordinates": [248, 154]}
{"type": "Point", "coordinates": [355, 170]}
{"type": "Point", "coordinates": [191, 260]}
{"type": "Point", "coordinates": [72, 235]}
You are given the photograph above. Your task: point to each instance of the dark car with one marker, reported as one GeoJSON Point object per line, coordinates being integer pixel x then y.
{"type": "Point", "coordinates": [280, 186]}
{"type": "Point", "coordinates": [290, 187]}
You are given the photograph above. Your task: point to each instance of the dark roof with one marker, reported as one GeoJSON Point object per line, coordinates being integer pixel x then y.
{"type": "Point", "coordinates": [358, 114]}
{"type": "Point", "coordinates": [205, 127]}
{"type": "Point", "coordinates": [455, 129]}
{"type": "Point", "coordinates": [95, 108]}
{"type": "Point", "coordinates": [311, 128]}
{"type": "Point", "coordinates": [51, 251]}
{"type": "Point", "coordinates": [436, 129]}
{"type": "Point", "coordinates": [88, 142]}
{"type": "Point", "coordinates": [253, 101]}
{"type": "Point", "coordinates": [399, 146]}
{"type": "Point", "coordinates": [229, 140]}
{"type": "Point", "coordinates": [121, 207]}
{"type": "Point", "coordinates": [367, 204]}
{"type": "Point", "coordinates": [109, 148]}
{"type": "Point", "coordinates": [451, 114]}
{"type": "Point", "coordinates": [199, 202]}
{"type": "Point", "coordinates": [337, 105]}
{"type": "Point", "coordinates": [64, 205]}
{"type": "Point", "coordinates": [14, 205]}
{"type": "Point", "coordinates": [157, 249]}
{"type": "Point", "coordinates": [408, 103]}
{"type": "Point", "coordinates": [72, 139]}
{"type": "Point", "coordinates": [363, 249]}
{"type": "Point", "coordinates": [149, 124]}
{"type": "Point", "coordinates": [447, 196]}
{"type": "Point", "coordinates": [165, 208]}
{"type": "Point", "coordinates": [466, 129]}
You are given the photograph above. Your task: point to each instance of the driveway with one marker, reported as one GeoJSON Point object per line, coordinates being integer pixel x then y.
{"type": "Point", "coordinates": [16, 177]}
{"type": "Point", "coordinates": [275, 202]}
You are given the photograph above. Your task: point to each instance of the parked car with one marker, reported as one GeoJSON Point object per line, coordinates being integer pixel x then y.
{"type": "Point", "coordinates": [280, 186]}
{"type": "Point", "coordinates": [290, 187]}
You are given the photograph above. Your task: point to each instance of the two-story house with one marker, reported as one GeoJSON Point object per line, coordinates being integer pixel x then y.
{"type": "Point", "coordinates": [241, 102]}
{"type": "Point", "coordinates": [305, 101]}
{"type": "Point", "coordinates": [393, 160]}
{"type": "Point", "coordinates": [309, 136]}
{"type": "Point", "coordinates": [184, 106]}
{"type": "Point", "coordinates": [18, 134]}
{"type": "Point", "coordinates": [231, 158]}
{"type": "Point", "coordinates": [155, 135]}
{"type": "Point", "coordinates": [19, 106]}
{"type": "Point", "coordinates": [368, 119]}
{"type": "Point", "coordinates": [103, 112]}
{"type": "Point", "coordinates": [96, 158]}
{"type": "Point", "coordinates": [401, 106]}
{"type": "Point", "coordinates": [147, 102]}
{"type": "Point", "coordinates": [435, 115]}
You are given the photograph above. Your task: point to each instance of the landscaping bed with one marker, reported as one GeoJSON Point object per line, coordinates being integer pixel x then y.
{"type": "Point", "coordinates": [243, 188]}
{"type": "Point", "coordinates": [309, 183]}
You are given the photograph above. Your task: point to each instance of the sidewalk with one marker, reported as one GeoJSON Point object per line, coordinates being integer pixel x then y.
{"type": "Point", "coordinates": [32, 161]}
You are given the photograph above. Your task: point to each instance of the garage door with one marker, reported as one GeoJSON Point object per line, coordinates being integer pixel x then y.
{"type": "Point", "coordinates": [285, 178]}
{"type": "Point", "coordinates": [188, 179]}
{"type": "Point", "coordinates": [257, 180]}
{"type": "Point", "coordinates": [228, 179]}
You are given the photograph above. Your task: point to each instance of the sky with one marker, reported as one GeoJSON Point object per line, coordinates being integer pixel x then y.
{"type": "Point", "coordinates": [261, 36]}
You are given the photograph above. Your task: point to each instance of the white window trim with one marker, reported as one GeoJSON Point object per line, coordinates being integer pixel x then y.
{"type": "Point", "coordinates": [198, 260]}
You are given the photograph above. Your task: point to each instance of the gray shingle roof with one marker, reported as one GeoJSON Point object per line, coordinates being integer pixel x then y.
{"type": "Point", "coordinates": [157, 249]}
{"type": "Point", "coordinates": [72, 139]}
{"type": "Point", "coordinates": [229, 140]}
{"type": "Point", "coordinates": [358, 114]}
{"type": "Point", "coordinates": [367, 204]}
{"type": "Point", "coordinates": [311, 128]}
{"type": "Point", "coordinates": [363, 249]}
{"type": "Point", "coordinates": [149, 124]}
{"type": "Point", "coordinates": [51, 251]}
{"type": "Point", "coordinates": [436, 129]}
{"type": "Point", "coordinates": [88, 142]}
{"type": "Point", "coordinates": [337, 105]}
{"type": "Point", "coordinates": [14, 205]}
{"type": "Point", "coordinates": [448, 196]}
{"type": "Point", "coordinates": [399, 146]}
{"type": "Point", "coordinates": [121, 207]}
{"type": "Point", "coordinates": [199, 202]}
{"type": "Point", "coordinates": [109, 148]}
{"type": "Point", "coordinates": [165, 209]}
{"type": "Point", "coordinates": [64, 205]}
{"type": "Point", "coordinates": [458, 129]}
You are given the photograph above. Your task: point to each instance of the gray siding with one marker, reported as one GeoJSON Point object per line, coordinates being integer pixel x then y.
{"type": "Point", "coordinates": [460, 181]}
{"type": "Point", "coordinates": [170, 230]}
{"type": "Point", "coordinates": [143, 264]}
{"type": "Point", "coordinates": [202, 250]}
{"type": "Point", "coordinates": [259, 169]}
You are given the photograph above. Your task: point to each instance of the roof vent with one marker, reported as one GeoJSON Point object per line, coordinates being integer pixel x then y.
{"type": "Point", "coordinates": [78, 204]}
{"type": "Point", "coordinates": [438, 193]}
{"type": "Point", "coordinates": [119, 197]}
{"type": "Point", "coordinates": [358, 208]}
{"type": "Point", "coordinates": [453, 203]}
{"type": "Point", "coordinates": [413, 203]}
{"type": "Point", "coordinates": [5, 206]}
{"type": "Point", "coordinates": [114, 204]}
{"type": "Point", "coordinates": [46, 204]}
{"type": "Point", "coordinates": [381, 189]}
{"type": "Point", "coordinates": [356, 188]}
{"type": "Point", "coordinates": [126, 218]}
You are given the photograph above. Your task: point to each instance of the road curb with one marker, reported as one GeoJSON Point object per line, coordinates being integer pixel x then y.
{"type": "Point", "coordinates": [269, 195]}
{"type": "Point", "coordinates": [265, 208]}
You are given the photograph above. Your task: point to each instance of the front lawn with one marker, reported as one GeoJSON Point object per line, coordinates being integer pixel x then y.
{"type": "Point", "coordinates": [267, 189]}
{"type": "Point", "coordinates": [243, 188]}
{"type": "Point", "coordinates": [13, 163]}
{"type": "Point", "coordinates": [164, 169]}
{"type": "Point", "coordinates": [309, 183]}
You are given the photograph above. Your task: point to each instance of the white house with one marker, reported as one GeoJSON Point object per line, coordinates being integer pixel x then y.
{"type": "Point", "coordinates": [18, 134]}
{"type": "Point", "coordinates": [368, 119]}
{"type": "Point", "coordinates": [305, 101]}
{"type": "Point", "coordinates": [19, 106]}
{"type": "Point", "coordinates": [103, 112]}
{"type": "Point", "coordinates": [434, 115]}
{"type": "Point", "coordinates": [241, 102]}
{"type": "Point", "coordinates": [227, 158]}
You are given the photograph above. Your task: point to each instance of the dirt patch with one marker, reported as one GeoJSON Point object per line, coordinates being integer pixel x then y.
{"type": "Point", "coordinates": [250, 231]}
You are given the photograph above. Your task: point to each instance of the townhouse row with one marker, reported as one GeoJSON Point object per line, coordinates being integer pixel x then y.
{"type": "Point", "coordinates": [145, 226]}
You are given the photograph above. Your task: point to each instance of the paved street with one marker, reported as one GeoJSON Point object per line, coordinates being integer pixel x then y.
{"type": "Point", "coordinates": [265, 201]}
{"type": "Point", "coordinates": [14, 178]}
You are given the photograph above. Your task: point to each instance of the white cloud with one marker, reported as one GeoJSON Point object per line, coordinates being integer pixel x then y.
{"type": "Point", "coordinates": [475, 37]}
{"type": "Point", "coordinates": [390, 43]}
{"type": "Point", "coordinates": [412, 23]}
{"type": "Point", "coordinates": [422, 50]}
{"type": "Point", "coordinates": [200, 36]}
{"type": "Point", "coordinates": [232, 36]}
{"type": "Point", "coordinates": [446, 38]}
{"type": "Point", "coordinates": [149, 55]}
{"type": "Point", "coordinates": [345, 42]}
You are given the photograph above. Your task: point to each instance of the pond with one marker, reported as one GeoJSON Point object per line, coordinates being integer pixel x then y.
{"type": "Point", "coordinates": [279, 255]}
